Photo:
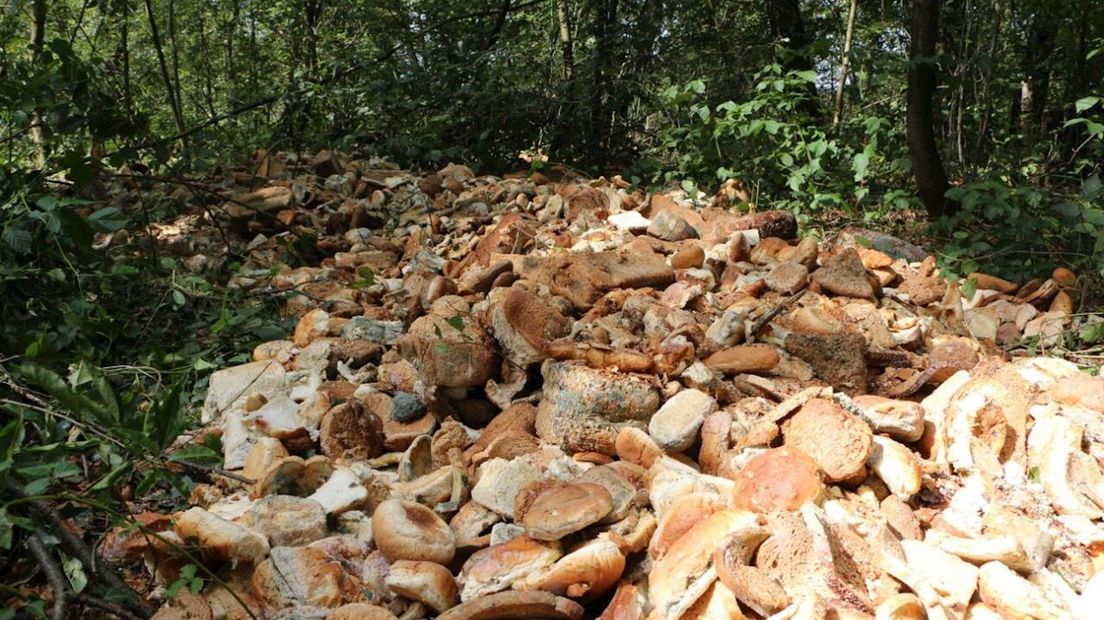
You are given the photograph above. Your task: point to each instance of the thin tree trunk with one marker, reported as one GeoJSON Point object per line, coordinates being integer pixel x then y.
{"type": "Point", "coordinates": [124, 45]}
{"type": "Point", "coordinates": [845, 63]}
{"type": "Point", "coordinates": [170, 91]}
{"type": "Point", "coordinates": [980, 153]}
{"type": "Point", "coordinates": [496, 30]}
{"type": "Point", "coordinates": [231, 32]}
{"type": "Point", "coordinates": [931, 178]}
{"type": "Point", "coordinates": [38, 40]}
{"type": "Point", "coordinates": [175, 55]}
{"type": "Point", "coordinates": [208, 64]}
{"type": "Point", "coordinates": [252, 45]}
{"type": "Point", "coordinates": [605, 23]}
{"type": "Point", "coordinates": [1035, 86]}
{"type": "Point", "coordinates": [312, 13]}
{"type": "Point", "coordinates": [567, 45]}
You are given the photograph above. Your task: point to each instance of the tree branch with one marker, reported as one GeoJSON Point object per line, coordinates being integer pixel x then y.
{"type": "Point", "coordinates": [54, 575]}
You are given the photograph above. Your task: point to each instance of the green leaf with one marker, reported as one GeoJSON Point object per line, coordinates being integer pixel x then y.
{"type": "Point", "coordinates": [1085, 103]}
{"type": "Point", "coordinates": [71, 400]}
{"type": "Point", "coordinates": [116, 474]}
{"type": "Point", "coordinates": [18, 240]}
{"type": "Point", "coordinates": [74, 570]}
{"type": "Point", "coordinates": [859, 165]}
{"type": "Point", "coordinates": [968, 288]}
{"type": "Point", "coordinates": [1091, 187]}
{"type": "Point", "coordinates": [195, 454]}
{"type": "Point", "coordinates": [1092, 334]}
{"type": "Point", "coordinates": [367, 275]}
{"type": "Point", "coordinates": [456, 322]}
{"type": "Point", "coordinates": [11, 437]}
{"type": "Point", "coordinates": [108, 220]}
{"type": "Point", "coordinates": [6, 527]}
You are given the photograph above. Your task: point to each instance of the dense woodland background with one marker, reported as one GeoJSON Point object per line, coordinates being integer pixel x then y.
{"type": "Point", "coordinates": [979, 120]}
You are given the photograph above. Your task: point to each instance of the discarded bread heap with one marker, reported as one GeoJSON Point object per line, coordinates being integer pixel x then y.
{"type": "Point", "coordinates": [518, 398]}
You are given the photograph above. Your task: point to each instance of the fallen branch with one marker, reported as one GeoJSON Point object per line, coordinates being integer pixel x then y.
{"type": "Point", "coordinates": [63, 594]}
{"type": "Point", "coordinates": [108, 606]}
{"type": "Point", "coordinates": [54, 575]}
{"type": "Point", "coordinates": [80, 550]}
{"type": "Point", "coordinates": [762, 322]}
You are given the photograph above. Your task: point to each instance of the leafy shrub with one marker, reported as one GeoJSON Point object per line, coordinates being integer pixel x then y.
{"type": "Point", "coordinates": [1020, 232]}
{"type": "Point", "coordinates": [770, 140]}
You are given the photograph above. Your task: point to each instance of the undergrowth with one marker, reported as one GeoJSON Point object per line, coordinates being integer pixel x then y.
{"type": "Point", "coordinates": [105, 357]}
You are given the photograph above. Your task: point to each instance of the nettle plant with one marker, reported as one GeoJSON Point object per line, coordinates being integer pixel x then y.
{"type": "Point", "coordinates": [769, 141]}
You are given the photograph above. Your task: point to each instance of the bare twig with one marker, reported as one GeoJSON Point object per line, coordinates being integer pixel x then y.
{"type": "Point", "coordinates": [217, 471]}
{"type": "Point", "coordinates": [761, 324]}
{"type": "Point", "coordinates": [108, 606]}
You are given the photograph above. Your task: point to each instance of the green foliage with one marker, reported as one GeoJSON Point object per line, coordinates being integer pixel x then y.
{"type": "Point", "coordinates": [771, 141]}
{"type": "Point", "coordinates": [187, 579]}
{"type": "Point", "coordinates": [1021, 232]}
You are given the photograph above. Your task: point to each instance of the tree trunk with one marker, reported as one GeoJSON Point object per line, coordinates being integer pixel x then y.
{"type": "Point", "coordinates": [124, 52]}
{"type": "Point", "coordinates": [170, 90]}
{"type": "Point", "coordinates": [174, 54]}
{"type": "Point", "coordinates": [1035, 86]}
{"type": "Point", "coordinates": [981, 152]}
{"type": "Point", "coordinates": [231, 33]}
{"type": "Point", "coordinates": [845, 63]}
{"type": "Point", "coordinates": [496, 30]}
{"type": "Point", "coordinates": [38, 40]}
{"type": "Point", "coordinates": [605, 23]}
{"type": "Point", "coordinates": [931, 178]}
{"type": "Point", "coordinates": [787, 26]}
{"type": "Point", "coordinates": [567, 45]}
{"type": "Point", "coordinates": [312, 14]}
